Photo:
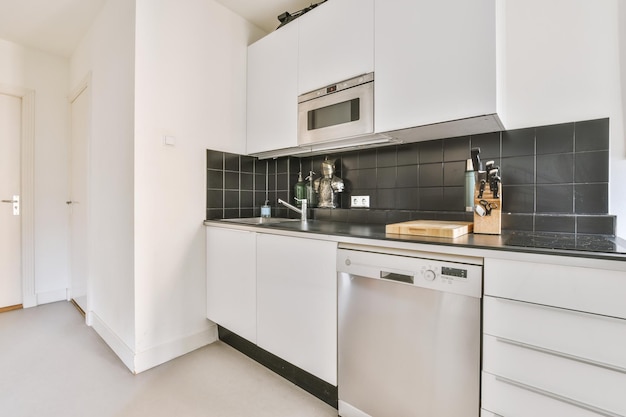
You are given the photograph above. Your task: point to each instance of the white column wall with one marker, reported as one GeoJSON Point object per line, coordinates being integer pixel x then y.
{"type": "Point", "coordinates": [48, 76]}
{"type": "Point", "coordinates": [561, 61]}
{"type": "Point", "coordinates": [107, 51]}
{"type": "Point", "coordinates": [191, 85]}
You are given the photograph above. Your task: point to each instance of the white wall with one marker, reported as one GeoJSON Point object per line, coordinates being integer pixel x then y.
{"type": "Point", "coordinates": [47, 75]}
{"type": "Point", "coordinates": [107, 51]}
{"type": "Point", "coordinates": [190, 84]}
{"type": "Point", "coordinates": [559, 61]}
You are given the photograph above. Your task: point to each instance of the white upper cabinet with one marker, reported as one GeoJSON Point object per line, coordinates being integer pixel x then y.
{"type": "Point", "coordinates": [272, 107]}
{"type": "Point", "coordinates": [336, 43]}
{"type": "Point", "coordinates": [434, 65]}
{"type": "Point", "coordinates": [435, 61]}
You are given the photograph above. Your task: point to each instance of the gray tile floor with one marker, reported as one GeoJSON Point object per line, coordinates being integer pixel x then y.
{"type": "Point", "coordinates": [51, 364]}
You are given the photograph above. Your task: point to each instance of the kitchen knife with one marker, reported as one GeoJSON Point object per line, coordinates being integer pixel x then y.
{"type": "Point", "coordinates": [476, 159]}
{"type": "Point", "coordinates": [483, 180]}
{"type": "Point", "coordinates": [494, 179]}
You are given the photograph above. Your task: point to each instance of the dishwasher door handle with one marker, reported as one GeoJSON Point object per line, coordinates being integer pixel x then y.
{"type": "Point", "coordinates": [394, 276]}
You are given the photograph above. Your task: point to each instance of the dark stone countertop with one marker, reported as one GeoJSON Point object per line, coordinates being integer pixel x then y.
{"type": "Point", "coordinates": [563, 244]}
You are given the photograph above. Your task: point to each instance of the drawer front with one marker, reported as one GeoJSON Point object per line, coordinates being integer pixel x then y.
{"type": "Point", "coordinates": [597, 388]}
{"type": "Point", "coordinates": [597, 339]}
{"type": "Point", "coordinates": [506, 398]}
{"type": "Point", "coordinates": [592, 290]}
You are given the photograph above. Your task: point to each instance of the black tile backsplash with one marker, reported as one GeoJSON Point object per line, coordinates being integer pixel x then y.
{"type": "Point", "coordinates": [454, 174]}
{"type": "Point", "coordinates": [431, 175]}
{"type": "Point", "coordinates": [489, 144]}
{"type": "Point", "coordinates": [431, 151]}
{"type": "Point", "coordinates": [592, 135]}
{"type": "Point", "coordinates": [556, 198]}
{"type": "Point", "coordinates": [231, 162]}
{"type": "Point", "coordinates": [518, 170]}
{"type": "Point", "coordinates": [518, 199]}
{"type": "Point", "coordinates": [456, 149]}
{"type": "Point", "coordinates": [564, 224]}
{"type": "Point", "coordinates": [555, 178]}
{"type": "Point", "coordinates": [406, 176]}
{"type": "Point", "coordinates": [555, 138]}
{"type": "Point", "coordinates": [518, 142]}
{"type": "Point", "coordinates": [591, 198]}
{"type": "Point", "coordinates": [591, 167]}
{"type": "Point", "coordinates": [555, 168]}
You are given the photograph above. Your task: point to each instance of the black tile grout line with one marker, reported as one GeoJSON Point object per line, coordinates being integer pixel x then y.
{"type": "Point", "coordinates": [534, 178]}
{"type": "Point", "coordinates": [223, 184]}
{"type": "Point", "coordinates": [574, 169]}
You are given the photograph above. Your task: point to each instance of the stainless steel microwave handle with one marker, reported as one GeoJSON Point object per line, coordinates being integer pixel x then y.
{"type": "Point", "coordinates": [557, 397]}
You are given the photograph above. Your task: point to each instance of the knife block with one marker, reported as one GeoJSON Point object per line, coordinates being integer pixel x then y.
{"type": "Point", "coordinates": [488, 224]}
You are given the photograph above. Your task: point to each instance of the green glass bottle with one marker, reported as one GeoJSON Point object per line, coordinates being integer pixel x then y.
{"type": "Point", "coordinates": [299, 190]}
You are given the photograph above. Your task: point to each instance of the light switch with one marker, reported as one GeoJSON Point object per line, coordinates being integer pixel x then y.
{"type": "Point", "coordinates": [169, 140]}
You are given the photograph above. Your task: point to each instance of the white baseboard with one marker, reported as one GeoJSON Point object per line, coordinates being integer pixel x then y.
{"type": "Point", "coordinates": [347, 410]}
{"type": "Point", "coordinates": [167, 351]}
{"type": "Point", "coordinates": [121, 349]}
{"type": "Point", "coordinates": [51, 296]}
{"type": "Point", "coordinates": [142, 361]}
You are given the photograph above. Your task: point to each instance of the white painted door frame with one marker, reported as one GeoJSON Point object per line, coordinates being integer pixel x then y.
{"type": "Point", "coordinates": [83, 87]}
{"type": "Point", "coordinates": [27, 192]}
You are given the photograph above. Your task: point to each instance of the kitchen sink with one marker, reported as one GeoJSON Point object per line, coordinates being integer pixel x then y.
{"type": "Point", "coordinates": [261, 220]}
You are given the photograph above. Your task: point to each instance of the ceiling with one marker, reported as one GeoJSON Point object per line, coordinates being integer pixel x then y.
{"type": "Point", "coordinates": [57, 26]}
{"type": "Point", "coordinates": [54, 26]}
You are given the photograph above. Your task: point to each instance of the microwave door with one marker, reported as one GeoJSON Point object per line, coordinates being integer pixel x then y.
{"type": "Point", "coordinates": [344, 114]}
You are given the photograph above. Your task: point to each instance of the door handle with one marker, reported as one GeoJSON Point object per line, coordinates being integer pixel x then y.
{"type": "Point", "coordinates": [16, 204]}
{"type": "Point", "coordinates": [71, 202]}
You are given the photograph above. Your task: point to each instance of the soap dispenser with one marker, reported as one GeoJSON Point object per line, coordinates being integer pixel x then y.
{"type": "Point", "coordinates": [299, 190]}
{"type": "Point", "coordinates": [311, 197]}
{"type": "Point", "coordinates": [266, 210]}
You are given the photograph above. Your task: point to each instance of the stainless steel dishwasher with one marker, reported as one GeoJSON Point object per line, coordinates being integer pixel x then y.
{"type": "Point", "coordinates": [408, 334]}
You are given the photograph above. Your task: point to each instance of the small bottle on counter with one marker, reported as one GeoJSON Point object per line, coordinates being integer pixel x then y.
{"type": "Point", "coordinates": [266, 210]}
{"type": "Point", "coordinates": [470, 184]}
{"type": "Point", "coordinates": [311, 197]}
{"type": "Point", "coordinates": [299, 190]}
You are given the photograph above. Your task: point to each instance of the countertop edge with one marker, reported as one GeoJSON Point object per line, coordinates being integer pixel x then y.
{"type": "Point", "coordinates": [443, 245]}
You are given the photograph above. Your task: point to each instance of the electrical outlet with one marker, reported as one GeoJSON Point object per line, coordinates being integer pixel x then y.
{"type": "Point", "coordinates": [360, 201]}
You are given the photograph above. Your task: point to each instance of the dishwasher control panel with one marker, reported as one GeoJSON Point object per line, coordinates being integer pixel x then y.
{"type": "Point", "coordinates": [442, 275]}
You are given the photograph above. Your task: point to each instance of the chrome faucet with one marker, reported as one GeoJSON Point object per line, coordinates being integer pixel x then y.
{"type": "Point", "coordinates": [302, 211]}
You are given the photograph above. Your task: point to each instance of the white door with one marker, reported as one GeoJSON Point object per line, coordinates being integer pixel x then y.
{"type": "Point", "coordinates": [78, 199]}
{"type": "Point", "coordinates": [10, 220]}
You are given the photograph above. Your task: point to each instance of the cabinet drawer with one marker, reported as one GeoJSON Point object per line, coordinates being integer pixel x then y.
{"type": "Point", "coordinates": [593, 387]}
{"type": "Point", "coordinates": [591, 337]}
{"type": "Point", "coordinates": [507, 398]}
{"type": "Point", "coordinates": [592, 290]}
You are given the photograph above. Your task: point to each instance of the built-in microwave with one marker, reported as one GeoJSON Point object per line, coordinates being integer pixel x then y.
{"type": "Point", "coordinates": [338, 111]}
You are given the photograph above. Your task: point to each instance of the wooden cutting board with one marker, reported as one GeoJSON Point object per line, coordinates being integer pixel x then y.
{"type": "Point", "coordinates": [435, 228]}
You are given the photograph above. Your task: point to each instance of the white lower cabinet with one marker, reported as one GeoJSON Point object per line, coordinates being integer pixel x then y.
{"type": "Point", "coordinates": [552, 360]}
{"type": "Point", "coordinates": [279, 292]}
{"type": "Point", "coordinates": [231, 280]}
{"type": "Point", "coordinates": [297, 302]}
